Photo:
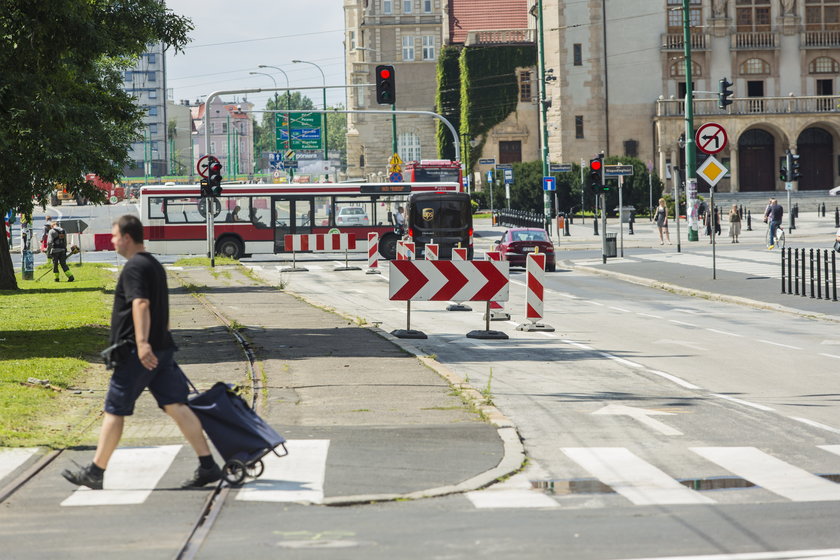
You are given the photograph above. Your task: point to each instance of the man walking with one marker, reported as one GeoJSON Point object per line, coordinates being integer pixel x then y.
{"type": "Point", "coordinates": [57, 251]}
{"type": "Point", "coordinates": [140, 320]}
{"type": "Point", "coordinates": [774, 215]}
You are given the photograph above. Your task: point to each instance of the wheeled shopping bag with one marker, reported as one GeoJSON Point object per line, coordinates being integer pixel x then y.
{"type": "Point", "coordinates": [237, 432]}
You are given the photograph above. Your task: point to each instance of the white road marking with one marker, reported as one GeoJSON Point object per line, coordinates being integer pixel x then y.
{"type": "Point", "coordinates": [620, 309]}
{"type": "Point", "coordinates": [296, 478]}
{"type": "Point", "coordinates": [578, 345]}
{"type": "Point", "coordinates": [674, 378]}
{"type": "Point", "coordinates": [131, 477]}
{"type": "Point", "coordinates": [649, 315]}
{"type": "Point", "coordinates": [547, 334]}
{"type": "Point", "coordinates": [830, 356]}
{"type": "Point", "coordinates": [816, 424]}
{"type": "Point", "coordinates": [771, 473]}
{"type": "Point", "coordinates": [515, 492]}
{"type": "Point", "coordinates": [727, 333]}
{"type": "Point", "coordinates": [13, 457]}
{"type": "Point", "coordinates": [594, 302]}
{"type": "Point", "coordinates": [635, 479]}
{"type": "Point", "coordinates": [743, 402]}
{"type": "Point", "coordinates": [683, 323]}
{"type": "Point", "coordinates": [641, 415]}
{"type": "Point", "coordinates": [828, 553]}
{"type": "Point", "coordinates": [831, 448]}
{"type": "Point", "coordinates": [478, 344]}
{"type": "Point", "coordinates": [780, 344]}
{"type": "Point", "coordinates": [620, 360]}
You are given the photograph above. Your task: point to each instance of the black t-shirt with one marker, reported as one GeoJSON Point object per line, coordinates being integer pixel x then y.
{"type": "Point", "coordinates": [142, 277]}
{"type": "Point", "coordinates": [776, 213]}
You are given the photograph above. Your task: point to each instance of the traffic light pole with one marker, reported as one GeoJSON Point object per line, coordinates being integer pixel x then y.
{"type": "Point", "coordinates": [690, 149]}
{"type": "Point", "coordinates": [603, 199]}
{"type": "Point", "coordinates": [543, 118]}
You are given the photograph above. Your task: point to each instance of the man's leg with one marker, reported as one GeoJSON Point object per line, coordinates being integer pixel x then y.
{"type": "Point", "coordinates": [66, 268]}
{"type": "Point", "coordinates": [109, 438]}
{"type": "Point", "coordinates": [773, 226]}
{"type": "Point", "coordinates": [190, 426]}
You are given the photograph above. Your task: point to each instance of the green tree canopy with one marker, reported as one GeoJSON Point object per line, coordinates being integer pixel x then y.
{"type": "Point", "coordinates": [63, 112]}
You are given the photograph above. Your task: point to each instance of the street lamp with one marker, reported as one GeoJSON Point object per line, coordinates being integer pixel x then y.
{"type": "Point", "coordinates": [288, 93]}
{"type": "Point", "coordinates": [324, 90]}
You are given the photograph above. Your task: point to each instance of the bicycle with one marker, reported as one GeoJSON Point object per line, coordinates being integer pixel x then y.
{"type": "Point", "coordinates": [780, 238]}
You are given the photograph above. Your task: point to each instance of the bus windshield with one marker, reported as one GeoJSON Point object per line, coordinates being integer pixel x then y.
{"type": "Point", "coordinates": [436, 174]}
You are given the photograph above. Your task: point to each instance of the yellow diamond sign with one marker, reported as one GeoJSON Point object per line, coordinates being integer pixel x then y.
{"type": "Point", "coordinates": [712, 171]}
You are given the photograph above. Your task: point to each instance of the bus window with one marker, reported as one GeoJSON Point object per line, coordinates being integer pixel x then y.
{"type": "Point", "coordinates": [183, 211]}
{"type": "Point", "coordinates": [236, 209]}
{"type": "Point", "coordinates": [322, 211]}
{"type": "Point", "coordinates": [353, 213]}
{"type": "Point", "coordinates": [260, 212]}
{"type": "Point", "coordinates": [434, 175]}
{"type": "Point", "coordinates": [156, 208]}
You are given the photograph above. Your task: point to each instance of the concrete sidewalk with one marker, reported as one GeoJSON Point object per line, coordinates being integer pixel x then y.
{"type": "Point", "coordinates": [397, 428]}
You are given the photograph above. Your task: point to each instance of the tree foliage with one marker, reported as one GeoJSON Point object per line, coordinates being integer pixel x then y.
{"type": "Point", "coordinates": [265, 130]}
{"type": "Point", "coordinates": [62, 110]}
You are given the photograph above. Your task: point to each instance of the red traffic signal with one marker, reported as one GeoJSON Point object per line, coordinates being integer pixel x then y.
{"type": "Point", "coordinates": [595, 165]}
{"type": "Point", "coordinates": [384, 73]}
{"type": "Point", "coordinates": [386, 88]}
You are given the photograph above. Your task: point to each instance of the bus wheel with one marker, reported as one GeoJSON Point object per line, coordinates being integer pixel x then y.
{"type": "Point", "coordinates": [230, 247]}
{"type": "Point", "coordinates": [388, 246]}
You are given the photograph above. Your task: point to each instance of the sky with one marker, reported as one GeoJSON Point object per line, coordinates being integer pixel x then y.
{"type": "Point", "coordinates": [231, 39]}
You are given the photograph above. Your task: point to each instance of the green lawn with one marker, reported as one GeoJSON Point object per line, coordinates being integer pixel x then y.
{"type": "Point", "coordinates": [52, 331]}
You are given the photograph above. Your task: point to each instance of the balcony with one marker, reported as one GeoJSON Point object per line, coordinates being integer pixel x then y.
{"type": "Point", "coordinates": [752, 106]}
{"type": "Point", "coordinates": [820, 39]}
{"type": "Point", "coordinates": [751, 40]}
{"type": "Point", "coordinates": [496, 37]}
{"type": "Point", "coordinates": [674, 41]}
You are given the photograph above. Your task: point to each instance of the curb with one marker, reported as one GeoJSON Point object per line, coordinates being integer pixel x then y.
{"type": "Point", "coordinates": [674, 288]}
{"type": "Point", "coordinates": [513, 455]}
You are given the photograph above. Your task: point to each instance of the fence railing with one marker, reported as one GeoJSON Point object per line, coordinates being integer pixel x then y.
{"type": "Point", "coordinates": [747, 105]}
{"type": "Point", "coordinates": [809, 268]}
{"type": "Point", "coordinates": [519, 218]}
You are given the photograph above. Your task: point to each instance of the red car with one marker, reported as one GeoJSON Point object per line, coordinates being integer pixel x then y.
{"type": "Point", "coordinates": [516, 243]}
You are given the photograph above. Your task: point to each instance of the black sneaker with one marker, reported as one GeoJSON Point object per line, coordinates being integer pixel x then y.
{"type": "Point", "coordinates": [83, 476]}
{"type": "Point", "coordinates": [203, 477]}
{"type": "Point", "coordinates": [71, 279]}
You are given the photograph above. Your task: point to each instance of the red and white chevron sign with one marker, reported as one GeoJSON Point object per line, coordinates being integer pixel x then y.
{"type": "Point", "coordinates": [449, 280]}
{"type": "Point", "coordinates": [535, 270]}
{"type": "Point", "coordinates": [319, 242]}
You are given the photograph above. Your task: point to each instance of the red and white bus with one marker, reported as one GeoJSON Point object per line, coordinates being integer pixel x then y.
{"type": "Point", "coordinates": [255, 218]}
{"type": "Point", "coordinates": [433, 171]}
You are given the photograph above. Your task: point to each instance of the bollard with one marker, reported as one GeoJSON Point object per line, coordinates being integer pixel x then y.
{"type": "Point", "coordinates": [836, 217]}
{"type": "Point", "coordinates": [811, 268]}
{"type": "Point", "coordinates": [630, 228]}
{"type": "Point", "coordinates": [749, 221]}
{"type": "Point", "coordinates": [792, 224]}
{"type": "Point", "coordinates": [566, 228]}
{"type": "Point", "coordinates": [595, 226]}
{"type": "Point", "coordinates": [803, 275]}
{"type": "Point", "coordinates": [789, 275]}
{"type": "Point", "coordinates": [373, 252]}
{"type": "Point", "coordinates": [834, 275]}
{"type": "Point", "coordinates": [783, 270]}
{"type": "Point", "coordinates": [825, 274]}
{"type": "Point", "coordinates": [819, 275]}
{"type": "Point", "coordinates": [796, 272]}
{"type": "Point", "coordinates": [823, 209]}
{"type": "Point", "coordinates": [534, 282]}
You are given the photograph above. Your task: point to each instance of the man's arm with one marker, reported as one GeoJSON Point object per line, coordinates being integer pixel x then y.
{"type": "Point", "coordinates": [142, 317]}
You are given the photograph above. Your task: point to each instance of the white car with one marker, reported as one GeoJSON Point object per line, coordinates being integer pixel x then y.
{"type": "Point", "coordinates": [352, 216]}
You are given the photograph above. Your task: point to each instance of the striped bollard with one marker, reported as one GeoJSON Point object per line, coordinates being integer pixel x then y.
{"type": "Point", "coordinates": [497, 310]}
{"type": "Point", "coordinates": [408, 250]}
{"type": "Point", "coordinates": [534, 290]}
{"type": "Point", "coordinates": [400, 250]}
{"type": "Point", "coordinates": [431, 251]}
{"type": "Point", "coordinates": [459, 254]}
{"type": "Point", "coordinates": [373, 252]}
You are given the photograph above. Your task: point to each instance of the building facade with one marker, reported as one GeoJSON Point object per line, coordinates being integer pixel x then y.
{"type": "Point", "coordinates": [621, 85]}
{"type": "Point", "coordinates": [406, 34]}
{"type": "Point", "coordinates": [231, 135]}
{"type": "Point", "coordinates": [146, 81]}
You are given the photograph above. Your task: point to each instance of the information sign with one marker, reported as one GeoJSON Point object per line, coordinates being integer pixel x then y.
{"type": "Point", "coordinates": [711, 138]}
{"type": "Point", "coordinates": [549, 183]}
{"type": "Point", "coordinates": [618, 170]}
{"type": "Point", "coordinates": [559, 167]}
{"type": "Point", "coordinates": [712, 171]}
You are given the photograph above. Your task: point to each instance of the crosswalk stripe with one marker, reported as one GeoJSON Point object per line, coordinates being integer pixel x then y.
{"type": "Point", "coordinates": [296, 478]}
{"type": "Point", "coordinates": [13, 457]}
{"type": "Point", "coordinates": [771, 473]}
{"type": "Point", "coordinates": [635, 479]}
{"type": "Point", "coordinates": [515, 492]}
{"type": "Point", "coordinates": [831, 448]}
{"type": "Point", "coordinates": [131, 476]}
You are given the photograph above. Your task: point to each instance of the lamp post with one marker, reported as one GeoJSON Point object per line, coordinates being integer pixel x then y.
{"type": "Point", "coordinates": [690, 152]}
{"type": "Point", "coordinates": [324, 90]}
{"type": "Point", "coordinates": [543, 116]}
{"type": "Point", "coordinates": [288, 116]}
{"type": "Point", "coordinates": [288, 93]}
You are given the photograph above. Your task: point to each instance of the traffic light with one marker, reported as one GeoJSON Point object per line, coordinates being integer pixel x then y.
{"type": "Point", "coordinates": [386, 89]}
{"type": "Point", "coordinates": [214, 176]}
{"type": "Point", "coordinates": [793, 169]}
{"type": "Point", "coordinates": [596, 173]}
{"type": "Point", "coordinates": [205, 189]}
{"type": "Point", "coordinates": [724, 93]}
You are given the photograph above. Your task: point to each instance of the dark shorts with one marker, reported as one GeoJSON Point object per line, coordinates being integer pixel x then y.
{"type": "Point", "coordinates": [166, 382]}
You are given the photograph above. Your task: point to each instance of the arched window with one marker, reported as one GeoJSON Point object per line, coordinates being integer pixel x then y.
{"type": "Point", "coordinates": [824, 65]}
{"type": "Point", "coordinates": [678, 69]}
{"type": "Point", "coordinates": [408, 146]}
{"type": "Point", "coordinates": [754, 66]}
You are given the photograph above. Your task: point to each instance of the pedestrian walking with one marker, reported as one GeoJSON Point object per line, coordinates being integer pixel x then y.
{"type": "Point", "coordinates": [57, 251]}
{"type": "Point", "coordinates": [142, 353]}
{"type": "Point", "coordinates": [773, 214]}
{"type": "Point", "coordinates": [661, 219]}
{"type": "Point", "coordinates": [837, 241]}
{"type": "Point", "coordinates": [734, 223]}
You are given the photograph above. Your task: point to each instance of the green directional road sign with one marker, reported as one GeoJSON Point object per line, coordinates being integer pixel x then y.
{"type": "Point", "coordinates": [306, 131]}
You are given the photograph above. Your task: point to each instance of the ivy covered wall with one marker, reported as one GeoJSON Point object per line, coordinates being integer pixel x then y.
{"type": "Point", "coordinates": [448, 98]}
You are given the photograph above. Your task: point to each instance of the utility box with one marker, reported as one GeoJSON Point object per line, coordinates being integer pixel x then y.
{"type": "Point", "coordinates": [611, 250]}
{"type": "Point", "coordinates": [628, 214]}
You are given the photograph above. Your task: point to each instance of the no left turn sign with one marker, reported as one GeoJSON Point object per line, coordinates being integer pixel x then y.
{"type": "Point", "coordinates": [711, 138]}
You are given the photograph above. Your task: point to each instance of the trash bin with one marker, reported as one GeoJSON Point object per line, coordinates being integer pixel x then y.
{"type": "Point", "coordinates": [611, 250]}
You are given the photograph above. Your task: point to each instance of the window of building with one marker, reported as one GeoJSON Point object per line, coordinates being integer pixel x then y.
{"type": "Point", "coordinates": [152, 76]}
{"type": "Point", "coordinates": [128, 76]}
{"type": "Point", "coordinates": [153, 128]}
{"type": "Point", "coordinates": [224, 128]}
{"type": "Point", "coordinates": [823, 65]}
{"type": "Point", "coordinates": [407, 6]}
{"type": "Point", "coordinates": [408, 48]}
{"type": "Point", "coordinates": [578, 126]}
{"type": "Point", "coordinates": [212, 127]}
{"type": "Point", "coordinates": [387, 7]}
{"type": "Point", "coordinates": [151, 58]}
{"type": "Point", "coordinates": [822, 15]}
{"type": "Point", "coordinates": [212, 144]}
{"type": "Point", "coordinates": [152, 94]}
{"type": "Point", "coordinates": [675, 23]}
{"type": "Point", "coordinates": [631, 148]}
{"type": "Point", "coordinates": [755, 66]}
{"type": "Point", "coordinates": [153, 111]}
{"type": "Point", "coordinates": [428, 47]}
{"type": "Point", "coordinates": [577, 54]}
{"type": "Point", "coordinates": [427, 6]}
{"type": "Point", "coordinates": [408, 146]}
{"type": "Point", "coordinates": [525, 95]}
{"type": "Point", "coordinates": [752, 15]}
{"type": "Point", "coordinates": [678, 69]}
{"type": "Point", "coordinates": [510, 151]}
{"type": "Point", "coordinates": [825, 87]}
{"type": "Point", "coordinates": [681, 89]}
{"type": "Point", "coordinates": [352, 40]}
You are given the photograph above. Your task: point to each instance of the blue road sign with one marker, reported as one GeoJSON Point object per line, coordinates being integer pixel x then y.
{"type": "Point", "coordinates": [549, 183]}
{"type": "Point", "coordinates": [275, 158]}
{"type": "Point", "coordinates": [487, 161]}
{"type": "Point", "coordinates": [395, 177]}
{"type": "Point", "coordinates": [504, 166]}
{"type": "Point", "coordinates": [490, 176]}
{"type": "Point", "coordinates": [508, 176]}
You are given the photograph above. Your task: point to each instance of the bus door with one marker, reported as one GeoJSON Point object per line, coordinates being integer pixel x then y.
{"type": "Point", "coordinates": [291, 216]}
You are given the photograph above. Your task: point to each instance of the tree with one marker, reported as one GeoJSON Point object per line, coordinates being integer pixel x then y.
{"type": "Point", "coordinates": [265, 130]}
{"type": "Point", "coordinates": [63, 112]}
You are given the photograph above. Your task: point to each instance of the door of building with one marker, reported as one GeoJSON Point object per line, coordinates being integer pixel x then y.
{"type": "Point", "coordinates": [510, 152]}
{"type": "Point", "coordinates": [756, 161]}
{"type": "Point", "coordinates": [815, 146]}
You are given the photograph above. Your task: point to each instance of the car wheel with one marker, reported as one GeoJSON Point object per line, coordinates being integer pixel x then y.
{"type": "Point", "coordinates": [230, 247]}
{"type": "Point", "coordinates": [388, 247]}
{"type": "Point", "coordinates": [551, 267]}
